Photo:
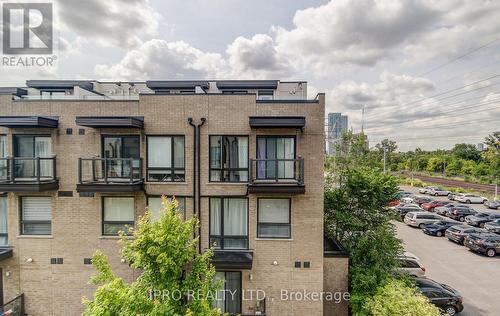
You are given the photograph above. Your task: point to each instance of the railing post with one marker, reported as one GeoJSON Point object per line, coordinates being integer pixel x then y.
{"type": "Point", "coordinates": [105, 170]}
{"type": "Point", "coordinates": [276, 170]}
{"type": "Point", "coordinates": [301, 170]}
{"type": "Point", "coordinates": [12, 163]}
{"type": "Point", "coordinates": [250, 171]}
{"type": "Point", "coordinates": [93, 170]}
{"type": "Point", "coordinates": [54, 167]}
{"type": "Point", "coordinates": [79, 170]}
{"type": "Point", "coordinates": [141, 173]}
{"type": "Point", "coordinates": [131, 161]}
{"type": "Point", "coordinates": [37, 170]}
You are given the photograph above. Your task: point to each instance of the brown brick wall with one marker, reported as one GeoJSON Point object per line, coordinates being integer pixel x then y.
{"type": "Point", "coordinates": [76, 224]}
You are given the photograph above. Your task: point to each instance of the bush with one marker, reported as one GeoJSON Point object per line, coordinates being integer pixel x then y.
{"type": "Point", "coordinates": [398, 298]}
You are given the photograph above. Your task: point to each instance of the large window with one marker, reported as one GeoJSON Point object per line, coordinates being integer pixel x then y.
{"type": "Point", "coordinates": [155, 205]}
{"type": "Point", "coordinates": [228, 298]}
{"type": "Point", "coordinates": [274, 218]}
{"type": "Point", "coordinates": [229, 158]}
{"type": "Point", "coordinates": [276, 157]}
{"type": "Point", "coordinates": [32, 146]}
{"type": "Point", "coordinates": [117, 149]}
{"type": "Point", "coordinates": [118, 215]}
{"type": "Point", "coordinates": [3, 221]}
{"type": "Point", "coordinates": [229, 223]}
{"type": "Point", "coordinates": [36, 215]}
{"type": "Point", "coordinates": [166, 158]}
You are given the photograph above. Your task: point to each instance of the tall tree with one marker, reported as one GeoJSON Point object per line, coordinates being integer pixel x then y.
{"type": "Point", "coordinates": [466, 152]}
{"type": "Point", "coordinates": [175, 279]}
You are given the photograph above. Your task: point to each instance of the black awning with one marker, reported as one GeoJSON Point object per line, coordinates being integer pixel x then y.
{"type": "Point", "coordinates": [277, 121]}
{"type": "Point", "coordinates": [5, 253]}
{"type": "Point", "coordinates": [247, 84]}
{"type": "Point", "coordinates": [232, 259]}
{"type": "Point", "coordinates": [333, 248]}
{"type": "Point", "coordinates": [176, 84]}
{"type": "Point", "coordinates": [111, 121]}
{"type": "Point", "coordinates": [29, 121]}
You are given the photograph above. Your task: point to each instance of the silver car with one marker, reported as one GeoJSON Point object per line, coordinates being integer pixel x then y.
{"type": "Point", "coordinates": [420, 219]}
{"type": "Point", "coordinates": [438, 191]}
{"type": "Point", "coordinates": [412, 266]}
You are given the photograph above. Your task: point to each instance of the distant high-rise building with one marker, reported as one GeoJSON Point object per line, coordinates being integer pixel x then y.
{"type": "Point", "coordinates": [337, 124]}
{"type": "Point", "coordinates": [480, 146]}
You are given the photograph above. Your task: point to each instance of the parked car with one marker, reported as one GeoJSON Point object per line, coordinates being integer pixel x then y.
{"type": "Point", "coordinates": [494, 205]}
{"type": "Point", "coordinates": [441, 210]}
{"type": "Point", "coordinates": [451, 196]}
{"type": "Point", "coordinates": [412, 266]}
{"type": "Point", "coordinates": [433, 204]}
{"type": "Point", "coordinates": [488, 244]}
{"type": "Point", "coordinates": [401, 194]}
{"type": "Point", "coordinates": [470, 198]}
{"type": "Point", "coordinates": [420, 199]}
{"type": "Point", "coordinates": [481, 218]}
{"type": "Point", "coordinates": [407, 200]}
{"type": "Point", "coordinates": [459, 214]}
{"type": "Point", "coordinates": [493, 226]}
{"type": "Point", "coordinates": [443, 296]}
{"type": "Point", "coordinates": [437, 191]}
{"type": "Point", "coordinates": [404, 209]}
{"type": "Point", "coordinates": [438, 228]}
{"type": "Point", "coordinates": [458, 233]}
{"type": "Point", "coordinates": [420, 219]}
{"type": "Point", "coordinates": [426, 189]}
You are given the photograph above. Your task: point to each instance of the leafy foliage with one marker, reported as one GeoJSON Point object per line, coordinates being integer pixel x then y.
{"type": "Point", "coordinates": [175, 279]}
{"type": "Point", "coordinates": [398, 298]}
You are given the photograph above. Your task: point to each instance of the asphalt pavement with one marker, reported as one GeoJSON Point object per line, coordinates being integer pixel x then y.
{"type": "Point", "coordinates": [475, 276]}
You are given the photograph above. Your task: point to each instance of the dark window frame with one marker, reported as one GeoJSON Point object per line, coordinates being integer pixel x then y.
{"type": "Point", "coordinates": [294, 137]}
{"type": "Point", "coordinates": [15, 142]}
{"type": "Point", "coordinates": [6, 235]}
{"type": "Point", "coordinates": [22, 221]}
{"type": "Point", "coordinates": [121, 136]}
{"type": "Point", "coordinates": [226, 293]}
{"type": "Point", "coordinates": [222, 169]}
{"type": "Point", "coordinates": [222, 236]}
{"type": "Point", "coordinates": [184, 197]}
{"type": "Point", "coordinates": [103, 222]}
{"type": "Point", "coordinates": [289, 224]}
{"type": "Point", "coordinates": [171, 169]}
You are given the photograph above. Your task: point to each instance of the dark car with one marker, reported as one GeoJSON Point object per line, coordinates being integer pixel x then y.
{"type": "Point", "coordinates": [481, 218]}
{"type": "Point", "coordinates": [438, 228]}
{"type": "Point", "coordinates": [493, 226]}
{"type": "Point", "coordinates": [433, 204]}
{"type": "Point", "coordinates": [459, 214]}
{"type": "Point", "coordinates": [458, 233]}
{"type": "Point", "coordinates": [405, 209]}
{"type": "Point", "coordinates": [488, 244]}
{"type": "Point", "coordinates": [443, 296]}
{"type": "Point", "coordinates": [418, 199]}
{"type": "Point", "coordinates": [494, 205]}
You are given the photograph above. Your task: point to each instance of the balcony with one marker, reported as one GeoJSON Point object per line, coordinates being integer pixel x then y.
{"type": "Point", "coordinates": [34, 174]}
{"type": "Point", "coordinates": [108, 175]}
{"type": "Point", "coordinates": [280, 176]}
{"type": "Point", "coordinates": [233, 259]}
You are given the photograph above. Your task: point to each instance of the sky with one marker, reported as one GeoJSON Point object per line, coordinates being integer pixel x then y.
{"type": "Point", "coordinates": [427, 72]}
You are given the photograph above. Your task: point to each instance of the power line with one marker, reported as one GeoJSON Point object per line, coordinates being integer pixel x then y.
{"type": "Point", "coordinates": [458, 58]}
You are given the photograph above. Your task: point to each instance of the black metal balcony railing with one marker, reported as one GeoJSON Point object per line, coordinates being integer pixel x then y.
{"type": "Point", "coordinates": [279, 171]}
{"type": "Point", "coordinates": [27, 170]}
{"type": "Point", "coordinates": [14, 307]}
{"type": "Point", "coordinates": [109, 170]}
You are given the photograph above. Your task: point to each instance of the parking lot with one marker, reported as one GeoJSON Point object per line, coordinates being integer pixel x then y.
{"type": "Point", "coordinates": [475, 276]}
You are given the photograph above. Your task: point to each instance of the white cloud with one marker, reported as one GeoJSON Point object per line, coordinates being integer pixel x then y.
{"type": "Point", "coordinates": [158, 59]}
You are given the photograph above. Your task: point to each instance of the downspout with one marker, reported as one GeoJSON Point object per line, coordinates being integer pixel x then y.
{"type": "Point", "coordinates": [198, 158]}
{"type": "Point", "coordinates": [195, 128]}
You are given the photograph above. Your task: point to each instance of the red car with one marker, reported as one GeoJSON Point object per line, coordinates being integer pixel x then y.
{"type": "Point", "coordinates": [431, 205]}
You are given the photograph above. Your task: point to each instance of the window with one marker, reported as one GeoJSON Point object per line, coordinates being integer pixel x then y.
{"type": "Point", "coordinates": [36, 215]}
{"type": "Point", "coordinates": [155, 205]}
{"type": "Point", "coordinates": [166, 158]}
{"type": "Point", "coordinates": [229, 223]}
{"type": "Point", "coordinates": [228, 298]}
{"type": "Point", "coordinates": [3, 154]}
{"type": "Point", "coordinates": [276, 155]}
{"type": "Point", "coordinates": [274, 218]}
{"type": "Point", "coordinates": [118, 215]}
{"type": "Point", "coordinates": [229, 158]}
{"type": "Point", "coordinates": [117, 148]}
{"type": "Point", "coordinates": [3, 221]}
{"type": "Point", "coordinates": [32, 146]}
{"type": "Point", "coordinates": [265, 95]}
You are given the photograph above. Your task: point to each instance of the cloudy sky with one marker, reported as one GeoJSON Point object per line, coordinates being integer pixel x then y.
{"type": "Point", "coordinates": [427, 72]}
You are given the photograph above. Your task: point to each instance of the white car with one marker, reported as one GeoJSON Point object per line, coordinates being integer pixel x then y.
{"type": "Point", "coordinates": [470, 198]}
{"type": "Point", "coordinates": [425, 190]}
{"type": "Point", "coordinates": [420, 219]}
{"type": "Point", "coordinates": [407, 200]}
{"type": "Point", "coordinates": [411, 265]}
{"type": "Point", "coordinates": [436, 191]}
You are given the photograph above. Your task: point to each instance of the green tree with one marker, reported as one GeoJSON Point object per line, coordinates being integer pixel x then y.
{"type": "Point", "coordinates": [175, 279]}
{"type": "Point", "coordinates": [466, 152]}
{"type": "Point", "coordinates": [435, 164]}
{"type": "Point", "coordinates": [398, 298]}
